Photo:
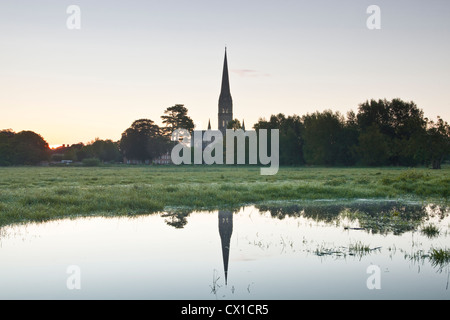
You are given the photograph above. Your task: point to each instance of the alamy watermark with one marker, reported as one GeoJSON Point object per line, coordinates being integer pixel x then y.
{"type": "Point", "coordinates": [73, 21]}
{"type": "Point", "coordinates": [374, 280]}
{"type": "Point", "coordinates": [73, 281]}
{"type": "Point", "coordinates": [374, 20]}
{"type": "Point", "coordinates": [248, 143]}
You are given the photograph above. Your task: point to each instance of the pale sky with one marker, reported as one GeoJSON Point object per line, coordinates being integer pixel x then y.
{"type": "Point", "coordinates": [132, 59]}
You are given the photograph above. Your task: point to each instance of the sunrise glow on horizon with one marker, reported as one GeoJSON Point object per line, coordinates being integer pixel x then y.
{"type": "Point", "coordinates": [132, 60]}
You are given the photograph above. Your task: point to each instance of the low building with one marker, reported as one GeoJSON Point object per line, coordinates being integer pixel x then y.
{"type": "Point", "coordinates": [163, 159]}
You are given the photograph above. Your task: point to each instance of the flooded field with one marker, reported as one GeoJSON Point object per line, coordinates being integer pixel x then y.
{"type": "Point", "coordinates": [297, 250]}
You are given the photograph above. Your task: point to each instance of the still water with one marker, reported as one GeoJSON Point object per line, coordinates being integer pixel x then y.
{"type": "Point", "coordinates": [319, 250]}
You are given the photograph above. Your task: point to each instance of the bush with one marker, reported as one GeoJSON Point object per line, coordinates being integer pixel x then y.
{"type": "Point", "coordinates": [91, 162]}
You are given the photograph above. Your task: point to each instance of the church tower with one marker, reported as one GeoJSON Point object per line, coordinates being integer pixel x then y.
{"type": "Point", "coordinates": [225, 101]}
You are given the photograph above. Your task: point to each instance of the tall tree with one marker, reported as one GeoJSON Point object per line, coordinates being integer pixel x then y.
{"type": "Point", "coordinates": [25, 148]}
{"type": "Point", "coordinates": [176, 117]}
{"type": "Point", "coordinates": [143, 141]}
{"type": "Point", "coordinates": [234, 124]}
{"type": "Point", "coordinates": [402, 122]}
{"type": "Point", "coordinates": [322, 133]}
{"type": "Point", "coordinates": [291, 141]}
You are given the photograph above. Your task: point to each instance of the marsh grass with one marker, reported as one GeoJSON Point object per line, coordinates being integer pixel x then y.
{"type": "Point", "coordinates": [430, 231]}
{"type": "Point", "coordinates": [42, 193]}
{"type": "Point", "coordinates": [215, 286]}
{"type": "Point", "coordinates": [357, 249]}
{"type": "Point", "coordinates": [439, 258]}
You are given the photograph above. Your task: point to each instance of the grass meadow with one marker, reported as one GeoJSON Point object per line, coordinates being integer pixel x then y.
{"type": "Point", "coordinates": [43, 193]}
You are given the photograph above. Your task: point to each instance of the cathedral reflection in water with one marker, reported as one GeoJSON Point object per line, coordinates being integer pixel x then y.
{"type": "Point", "coordinates": [225, 231]}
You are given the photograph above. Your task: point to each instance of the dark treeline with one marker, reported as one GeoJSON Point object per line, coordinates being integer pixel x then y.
{"type": "Point", "coordinates": [29, 148]}
{"type": "Point", "coordinates": [23, 148]}
{"type": "Point", "coordinates": [92, 153]}
{"type": "Point", "coordinates": [142, 142]}
{"type": "Point", "coordinates": [381, 133]}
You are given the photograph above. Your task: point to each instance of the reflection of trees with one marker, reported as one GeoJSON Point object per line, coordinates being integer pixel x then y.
{"type": "Point", "coordinates": [374, 216]}
{"type": "Point", "coordinates": [318, 212]}
{"type": "Point", "coordinates": [437, 210]}
{"type": "Point", "coordinates": [176, 219]}
{"type": "Point", "coordinates": [395, 219]}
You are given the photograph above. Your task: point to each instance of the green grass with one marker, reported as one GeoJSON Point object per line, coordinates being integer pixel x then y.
{"type": "Point", "coordinates": [41, 193]}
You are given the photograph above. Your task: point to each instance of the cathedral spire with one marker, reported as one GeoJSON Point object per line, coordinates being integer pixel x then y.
{"type": "Point", "coordinates": [225, 101]}
{"type": "Point", "coordinates": [225, 89]}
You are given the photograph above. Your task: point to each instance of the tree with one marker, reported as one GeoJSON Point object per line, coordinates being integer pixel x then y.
{"type": "Point", "coordinates": [6, 158]}
{"type": "Point", "coordinates": [77, 152]}
{"type": "Point", "coordinates": [143, 141]}
{"type": "Point", "coordinates": [322, 133]}
{"type": "Point", "coordinates": [348, 139]}
{"type": "Point", "coordinates": [176, 117]}
{"type": "Point", "coordinates": [402, 122]}
{"type": "Point", "coordinates": [6, 147]}
{"type": "Point", "coordinates": [373, 147]}
{"type": "Point", "coordinates": [234, 124]}
{"type": "Point", "coordinates": [23, 148]}
{"type": "Point", "coordinates": [106, 150]}
{"type": "Point", "coordinates": [291, 139]}
{"type": "Point", "coordinates": [437, 142]}
{"type": "Point", "coordinates": [290, 129]}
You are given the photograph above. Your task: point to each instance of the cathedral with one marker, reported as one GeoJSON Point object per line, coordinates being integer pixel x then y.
{"type": "Point", "coordinates": [225, 114]}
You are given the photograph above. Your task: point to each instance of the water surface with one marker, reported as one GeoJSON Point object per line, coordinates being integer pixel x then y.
{"type": "Point", "coordinates": [319, 250]}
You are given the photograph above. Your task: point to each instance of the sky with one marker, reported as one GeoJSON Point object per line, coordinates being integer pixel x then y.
{"type": "Point", "coordinates": [132, 59]}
